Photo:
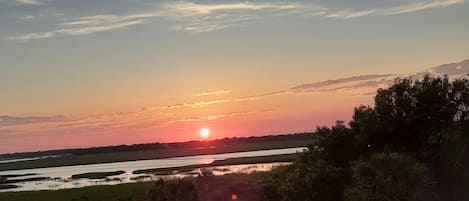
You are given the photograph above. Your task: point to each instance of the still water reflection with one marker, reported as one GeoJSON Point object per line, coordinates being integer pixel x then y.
{"type": "Point", "coordinates": [60, 176]}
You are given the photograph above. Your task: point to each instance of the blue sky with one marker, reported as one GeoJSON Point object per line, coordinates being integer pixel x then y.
{"type": "Point", "coordinates": [39, 19]}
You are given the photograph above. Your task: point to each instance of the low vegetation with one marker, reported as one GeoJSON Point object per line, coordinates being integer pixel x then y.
{"type": "Point", "coordinates": [12, 181]}
{"type": "Point", "coordinates": [230, 161]}
{"type": "Point", "coordinates": [3, 185]}
{"type": "Point", "coordinates": [121, 192]}
{"type": "Point", "coordinates": [7, 186]}
{"type": "Point", "coordinates": [97, 175]}
{"type": "Point", "coordinates": [17, 175]}
{"type": "Point", "coordinates": [205, 187]}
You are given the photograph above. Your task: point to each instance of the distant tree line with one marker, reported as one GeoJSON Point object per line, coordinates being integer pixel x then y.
{"type": "Point", "coordinates": [157, 145]}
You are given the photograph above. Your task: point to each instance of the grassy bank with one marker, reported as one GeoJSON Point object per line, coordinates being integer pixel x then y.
{"type": "Point", "coordinates": [134, 191]}
{"type": "Point", "coordinates": [12, 181]}
{"type": "Point", "coordinates": [150, 154]}
{"type": "Point", "coordinates": [245, 186]}
{"type": "Point", "coordinates": [231, 161]}
{"type": "Point", "coordinates": [7, 186]}
{"type": "Point", "coordinates": [97, 175]}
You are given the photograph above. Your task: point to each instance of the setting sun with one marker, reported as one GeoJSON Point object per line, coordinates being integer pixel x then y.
{"type": "Point", "coordinates": [204, 132]}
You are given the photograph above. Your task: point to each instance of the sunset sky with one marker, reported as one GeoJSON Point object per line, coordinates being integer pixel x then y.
{"type": "Point", "coordinates": [105, 72]}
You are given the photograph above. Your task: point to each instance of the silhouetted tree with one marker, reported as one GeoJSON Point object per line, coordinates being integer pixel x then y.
{"type": "Point", "coordinates": [428, 119]}
{"type": "Point", "coordinates": [335, 145]}
{"type": "Point", "coordinates": [390, 177]}
{"type": "Point", "coordinates": [307, 180]}
{"type": "Point", "coordinates": [414, 115]}
{"type": "Point", "coordinates": [416, 133]}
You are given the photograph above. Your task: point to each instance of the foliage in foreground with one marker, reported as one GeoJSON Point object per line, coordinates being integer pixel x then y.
{"type": "Point", "coordinates": [411, 146]}
{"type": "Point", "coordinates": [173, 190]}
{"type": "Point", "coordinates": [208, 187]}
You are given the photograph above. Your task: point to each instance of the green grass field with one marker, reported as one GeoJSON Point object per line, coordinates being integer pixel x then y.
{"type": "Point", "coordinates": [135, 191]}
{"type": "Point", "coordinates": [153, 154]}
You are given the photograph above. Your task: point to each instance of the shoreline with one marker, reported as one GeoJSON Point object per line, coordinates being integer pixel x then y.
{"type": "Point", "coordinates": [217, 163]}
{"type": "Point", "coordinates": [150, 155]}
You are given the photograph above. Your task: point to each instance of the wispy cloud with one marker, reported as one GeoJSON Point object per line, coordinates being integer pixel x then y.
{"type": "Point", "coordinates": [190, 17]}
{"type": "Point", "coordinates": [219, 101]}
{"type": "Point", "coordinates": [196, 17]}
{"type": "Point", "coordinates": [205, 17]}
{"type": "Point", "coordinates": [212, 117]}
{"type": "Point", "coordinates": [6, 120]}
{"type": "Point", "coordinates": [27, 17]}
{"type": "Point", "coordinates": [210, 102]}
{"type": "Point", "coordinates": [188, 8]}
{"type": "Point", "coordinates": [402, 9]}
{"type": "Point", "coordinates": [452, 70]}
{"type": "Point", "coordinates": [23, 2]}
{"type": "Point", "coordinates": [348, 85]}
{"type": "Point", "coordinates": [77, 30]}
{"type": "Point", "coordinates": [419, 6]}
{"type": "Point", "coordinates": [364, 85]}
{"type": "Point", "coordinates": [336, 82]}
{"type": "Point", "coordinates": [213, 93]}
{"type": "Point", "coordinates": [347, 14]}
{"type": "Point", "coordinates": [29, 2]}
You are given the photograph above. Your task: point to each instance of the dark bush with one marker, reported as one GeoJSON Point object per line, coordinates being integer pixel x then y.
{"type": "Point", "coordinates": [173, 190]}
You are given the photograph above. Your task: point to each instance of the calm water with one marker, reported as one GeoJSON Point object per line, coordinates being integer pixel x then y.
{"type": "Point", "coordinates": [61, 175]}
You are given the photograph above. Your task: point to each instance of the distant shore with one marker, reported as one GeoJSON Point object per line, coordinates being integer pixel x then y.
{"type": "Point", "coordinates": [123, 156]}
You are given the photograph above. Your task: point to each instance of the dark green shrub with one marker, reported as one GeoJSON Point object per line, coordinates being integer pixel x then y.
{"type": "Point", "coordinates": [173, 190]}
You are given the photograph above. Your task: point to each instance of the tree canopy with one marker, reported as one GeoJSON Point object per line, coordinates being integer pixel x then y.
{"type": "Point", "coordinates": [411, 145]}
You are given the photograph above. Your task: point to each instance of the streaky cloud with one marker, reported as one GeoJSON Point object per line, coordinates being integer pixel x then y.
{"type": "Point", "coordinates": [321, 87]}
{"type": "Point", "coordinates": [356, 85]}
{"type": "Point", "coordinates": [452, 70]}
{"type": "Point", "coordinates": [327, 83]}
{"type": "Point", "coordinates": [408, 8]}
{"type": "Point", "coordinates": [218, 116]}
{"type": "Point", "coordinates": [219, 101]}
{"type": "Point", "coordinates": [76, 30]}
{"type": "Point", "coordinates": [347, 14]}
{"type": "Point", "coordinates": [198, 17]}
{"type": "Point", "coordinates": [189, 8]}
{"type": "Point", "coordinates": [29, 2]}
{"type": "Point", "coordinates": [420, 6]}
{"type": "Point", "coordinates": [213, 93]}
{"type": "Point", "coordinates": [7, 120]}
{"type": "Point", "coordinates": [195, 17]}
{"type": "Point", "coordinates": [23, 2]}
{"type": "Point", "coordinates": [192, 17]}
